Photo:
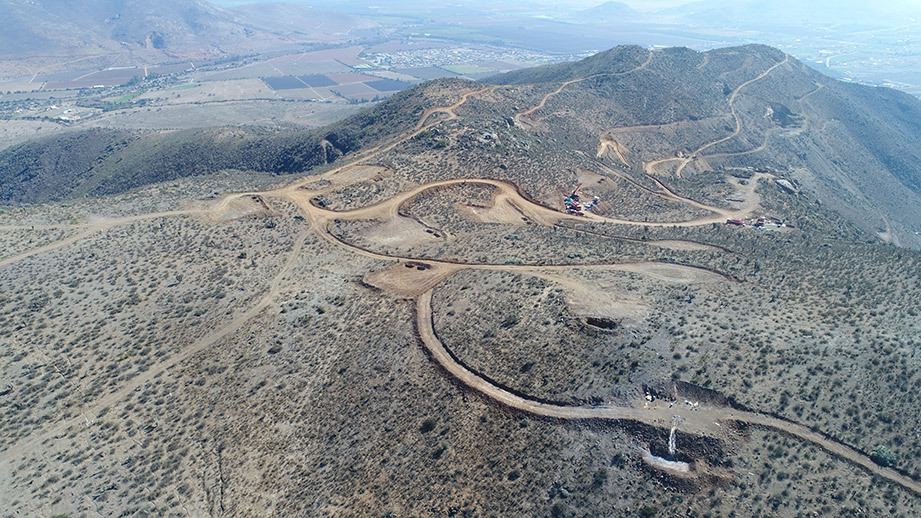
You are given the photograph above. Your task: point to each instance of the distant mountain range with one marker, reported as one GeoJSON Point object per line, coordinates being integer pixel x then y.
{"type": "Point", "coordinates": [756, 13]}
{"type": "Point", "coordinates": [611, 12]}
{"type": "Point", "coordinates": [158, 29]}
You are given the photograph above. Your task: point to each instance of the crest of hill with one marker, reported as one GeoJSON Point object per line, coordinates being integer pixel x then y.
{"type": "Point", "coordinates": [98, 162]}
{"type": "Point", "coordinates": [855, 146]}
{"type": "Point", "coordinates": [618, 59]}
{"type": "Point", "coordinates": [621, 59]}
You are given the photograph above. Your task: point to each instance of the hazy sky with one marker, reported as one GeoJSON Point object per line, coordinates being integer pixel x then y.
{"type": "Point", "coordinates": [643, 5]}
{"type": "Point", "coordinates": [840, 8]}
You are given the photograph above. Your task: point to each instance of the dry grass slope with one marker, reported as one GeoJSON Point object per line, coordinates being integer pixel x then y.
{"type": "Point", "coordinates": [426, 312]}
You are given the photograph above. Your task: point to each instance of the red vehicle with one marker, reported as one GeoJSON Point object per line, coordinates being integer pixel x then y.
{"type": "Point", "coordinates": [574, 203]}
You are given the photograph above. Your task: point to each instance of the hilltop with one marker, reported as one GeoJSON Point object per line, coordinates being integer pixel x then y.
{"type": "Point", "coordinates": [678, 113]}
{"type": "Point", "coordinates": [611, 12]}
{"type": "Point", "coordinates": [855, 147]}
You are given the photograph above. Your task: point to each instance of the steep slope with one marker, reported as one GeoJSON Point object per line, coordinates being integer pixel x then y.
{"type": "Point", "coordinates": [98, 162]}
{"type": "Point", "coordinates": [688, 113]}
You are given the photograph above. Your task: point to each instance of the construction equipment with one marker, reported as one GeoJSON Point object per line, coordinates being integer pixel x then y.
{"type": "Point", "coordinates": [589, 205]}
{"type": "Point", "coordinates": [574, 204]}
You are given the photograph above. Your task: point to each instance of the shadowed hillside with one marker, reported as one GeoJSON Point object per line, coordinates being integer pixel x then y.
{"type": "Point", "coordinates": [99, 161]}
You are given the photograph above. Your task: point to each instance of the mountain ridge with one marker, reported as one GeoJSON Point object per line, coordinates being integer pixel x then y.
{"type": "Point", "coordinates": [153, 31]}
{"type": "Point", "coordinates": [675, 112]}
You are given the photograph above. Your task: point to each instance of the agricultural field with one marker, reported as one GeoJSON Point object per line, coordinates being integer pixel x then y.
{"type": "Point", "coordinates": [176, 115]}
{"type": "Point", "coordinates": [261, 90]}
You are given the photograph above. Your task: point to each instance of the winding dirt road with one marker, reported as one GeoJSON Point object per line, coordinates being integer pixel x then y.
{"type": "Point", "coordinates": [703, 421]}
{"type": "Point", "coordinates": [520, 116]}
{"type": "Point", "coordinates": [390, 208]}
{"type": "Point", "coordinates": [372, 152]}
{"type": "Point", "coordinates": [650, 167]}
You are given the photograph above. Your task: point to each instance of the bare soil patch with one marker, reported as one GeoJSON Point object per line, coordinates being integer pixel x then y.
{"type": "Point", "coordinates": [410, 278]}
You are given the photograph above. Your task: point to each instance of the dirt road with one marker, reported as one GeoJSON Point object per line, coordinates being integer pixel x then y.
{"type": "Point", "coordinates": [650, 167]}
{"type": "Point", "coordinates": [375, 151]}
{"type": "Point", "coordinates": [701, 420]}
{"type": "Point", "coordinates": [508, 192]}
{"type": "Point", "coordinates": [520, 116]}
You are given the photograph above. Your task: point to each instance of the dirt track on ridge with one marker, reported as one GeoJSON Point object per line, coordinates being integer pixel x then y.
{"type": "Point", "coordinates": [703, 420]}
{"type": "Point", "coordinates": [390, 207]}
{"type": "Point", "coordinates": [520, 116]}
{"type": "Point", "coordinates": [649, 167]}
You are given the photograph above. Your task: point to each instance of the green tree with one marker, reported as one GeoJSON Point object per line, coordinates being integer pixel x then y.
{"type": "Point", "coordinates": [884, 456]}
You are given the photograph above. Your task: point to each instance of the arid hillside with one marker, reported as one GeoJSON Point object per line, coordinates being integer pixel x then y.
{"type": "Point", "coordinates": [436, 320]}
{"type": "Point", "coordinates": [687, 113]}
{"type": "Point", "coordinates": [672, 114]}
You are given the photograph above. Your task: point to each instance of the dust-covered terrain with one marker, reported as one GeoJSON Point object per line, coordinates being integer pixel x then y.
{"type": "Point", "coordinates": [434, 322]}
